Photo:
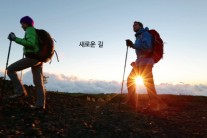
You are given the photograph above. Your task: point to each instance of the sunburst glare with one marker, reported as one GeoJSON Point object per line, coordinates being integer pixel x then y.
{"type": "Point", "coordinates": [139, 80]}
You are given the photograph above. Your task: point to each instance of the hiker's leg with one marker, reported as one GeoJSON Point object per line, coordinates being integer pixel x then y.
{"type": "Point", "coordinates": [12, 73]}
{"type": "Point", "coordinates": [131, 86]}
{"type": "Point", "coordinates": [39, 84]}
{"type": "Point", "coordinates": [146, 72]}
{"type": "Point", "coordinates": [154, 102]}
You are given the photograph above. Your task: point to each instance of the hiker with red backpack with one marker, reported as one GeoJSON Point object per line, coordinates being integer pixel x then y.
{"type": "Point", "coordinates": [144, 48]}
{"type": "Point", "coordinates": [31, 46]}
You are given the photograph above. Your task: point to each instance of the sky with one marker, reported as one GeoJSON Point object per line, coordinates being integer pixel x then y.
{"type": "Point", "coordinates": [181, 24]}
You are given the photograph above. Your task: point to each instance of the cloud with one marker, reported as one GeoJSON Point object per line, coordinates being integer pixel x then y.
{"type": "Point", "coordinates": [182, 89]}
{"type": "Point", "coordinates": [64, 83]}
{"type": "Point", "coordinates": [71, 84]}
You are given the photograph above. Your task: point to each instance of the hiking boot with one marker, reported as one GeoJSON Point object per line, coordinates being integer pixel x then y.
{"type": "Point", "coordinates": [20, 95]}
{"type": "Point", "coordinates": [146, 109]}
{"type": "Point", "coordinates": [130, 103]}
{"type": "Point", "coordinates": [163, 106]}
{"type": "Point", "coordinates": [157, 106]}
{"type": "Point", "coordinates": [126, 101]}
{"type": "Point", "coordinates": [37, 107]}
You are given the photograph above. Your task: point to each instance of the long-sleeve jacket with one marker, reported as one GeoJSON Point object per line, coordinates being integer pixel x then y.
{"type": "Point", "coordinates": [143, 47]}
{"type": "Point", "coordinates": [30, 41]}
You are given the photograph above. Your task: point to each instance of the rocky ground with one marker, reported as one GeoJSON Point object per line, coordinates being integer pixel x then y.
{"type": "Point", "coordinates": [99, 115]}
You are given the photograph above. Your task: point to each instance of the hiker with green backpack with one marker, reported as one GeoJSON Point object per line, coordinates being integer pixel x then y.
{"type": "Point", "coordinates": [149, 51]}
{"type": "Point", "coordinates": [31, 46]}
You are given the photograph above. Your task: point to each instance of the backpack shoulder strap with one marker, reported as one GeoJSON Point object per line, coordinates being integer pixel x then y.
{"type": "Point", "coordinates": [56, 56]}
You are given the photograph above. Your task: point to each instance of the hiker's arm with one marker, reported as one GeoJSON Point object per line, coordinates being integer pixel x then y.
{"type": "Point", "coordinates": [28, 41]}
{"type": "Point", "coordinates": [144, 43]}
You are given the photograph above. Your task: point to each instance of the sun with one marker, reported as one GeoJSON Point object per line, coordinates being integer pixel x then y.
{"type": "Point", "coordinates": [139, 80]}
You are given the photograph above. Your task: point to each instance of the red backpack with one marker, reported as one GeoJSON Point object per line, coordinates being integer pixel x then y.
{"type": "Point", "coordinates": [158, 46]}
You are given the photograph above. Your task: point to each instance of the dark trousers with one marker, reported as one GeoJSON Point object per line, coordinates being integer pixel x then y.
{"type": "Point", "coordinates": [146, 73]}
{"type": "Point", "coordinates": [37, 72]}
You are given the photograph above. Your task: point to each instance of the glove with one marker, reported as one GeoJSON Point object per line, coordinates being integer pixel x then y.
{"type": "Point", "coordinates": [12, 36]}
{"type": "Point", "coordinates": [129, 43]}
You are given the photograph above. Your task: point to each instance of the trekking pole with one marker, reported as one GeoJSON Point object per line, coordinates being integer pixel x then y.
{"type": "Point", "coordinates": [123, 76]}
{"type": "Point", "coordinates": [2, 90]}
{"type": "Point", "coordinates": [21, 75]}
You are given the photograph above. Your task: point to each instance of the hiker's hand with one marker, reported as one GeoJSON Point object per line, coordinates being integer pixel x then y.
{"type": "Point", "coordinates": [12, 36]}
{"type": "Point", "coordinates": [129, 43]}
{"type": "Point", "coordinates": [133, 64]}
